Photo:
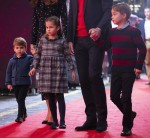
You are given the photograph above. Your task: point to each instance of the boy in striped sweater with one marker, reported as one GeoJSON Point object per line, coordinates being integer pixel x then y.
{"type": "Point", "coordinates": [128, 54]}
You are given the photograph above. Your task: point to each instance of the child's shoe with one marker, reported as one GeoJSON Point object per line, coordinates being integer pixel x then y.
{"type": "Point", "coordinates": [24, 117]}
{"type": "Point", "coordinates": [62, 126]}
{"type": "Point", "coordinates": [54, 125]}
{"type": "Point", "coordinates": [19, 120]}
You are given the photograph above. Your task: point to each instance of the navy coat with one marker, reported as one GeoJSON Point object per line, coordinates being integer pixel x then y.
{"type": "Point", "coordinates": [18, 69]}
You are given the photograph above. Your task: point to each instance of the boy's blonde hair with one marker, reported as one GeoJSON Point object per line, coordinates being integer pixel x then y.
{"type": "Point", "coordinates": [123, 8]}
{"type": "Point", "coordinates": [20, 42]}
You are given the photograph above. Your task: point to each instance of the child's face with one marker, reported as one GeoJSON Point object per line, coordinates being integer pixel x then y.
{"type": "Point", "coordinates": [51, 28]}
{"type": "Point", "coordinates": [117, 17]}
{"type": "Point", "coordinates": [19, 50]}
{"type": "Point", "coordinates": [32, 49]}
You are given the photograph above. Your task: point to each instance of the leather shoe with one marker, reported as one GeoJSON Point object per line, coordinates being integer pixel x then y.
{"type": "Point", "coordinates": [49, 123]}
{"type": "Point", "coordinates": [86, 126]}
{"type": "Point", "coordinates": [19, 120]}
{"type": "Point", "coordinates": [101, 127]}
{"type": "Point", "coordinates": [44, 122]}
{"type": "Point", "coordinates": [54, 125]}
{"type": "Point", "coordinates": [126, 132]}
{"type": "Point", "coordinates": [62, 126]}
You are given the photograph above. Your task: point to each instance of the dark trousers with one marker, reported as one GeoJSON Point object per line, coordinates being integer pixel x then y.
{"type": "Point", "coordinates": [53, 98]}
{"type": "Point", "coordinates": [21, 94]}
{"type": "Point", "coordinates": [89, 59]}
{"type": "Point", "coordinates": [121, 91]}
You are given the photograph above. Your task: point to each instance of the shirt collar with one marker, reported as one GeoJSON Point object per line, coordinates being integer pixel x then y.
{"type": "Point", "coordinates": [125, 25]}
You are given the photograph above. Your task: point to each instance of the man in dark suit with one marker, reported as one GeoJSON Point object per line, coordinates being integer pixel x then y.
{"type": "Point", "coordinates": [144, 27]}
{"type": "Point", "coordinates": [88, 26]}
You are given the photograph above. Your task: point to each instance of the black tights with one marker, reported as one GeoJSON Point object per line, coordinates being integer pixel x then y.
{"type": "Point", "coordinates": [53, 98]}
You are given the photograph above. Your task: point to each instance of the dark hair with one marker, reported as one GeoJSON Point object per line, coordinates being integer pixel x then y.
{"type": "Point", "coordinates": [56, 21]}
{"type": "Point", "coordinates": [46, 2]}
{"type": "Point", "coordinates": [123, 8]}
{"type": "Point", "coordinates": [20, 42]}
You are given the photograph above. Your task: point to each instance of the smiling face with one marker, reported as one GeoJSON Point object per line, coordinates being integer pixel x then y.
{"type": "Point", "coordinates": [51, 29]}
{"type": "Point", "coordinates": [19, 50]}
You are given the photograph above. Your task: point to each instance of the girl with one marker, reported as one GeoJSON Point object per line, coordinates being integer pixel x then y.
{"type": "Point", "coordinates": [43, 9]}
{"type": "Point", "coordinates": [50, 58]}
{"type": "Point", "coordinates": [48, 120]}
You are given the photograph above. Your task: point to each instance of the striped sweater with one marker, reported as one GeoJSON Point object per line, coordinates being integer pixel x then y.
{"type": "Point", "coordinates": [128, 49]}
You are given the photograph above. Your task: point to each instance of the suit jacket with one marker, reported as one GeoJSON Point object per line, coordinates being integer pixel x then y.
{"type": "Point", "coordinates": [97, 13]}
{"type": "Point", "coordinates": [141, 27]}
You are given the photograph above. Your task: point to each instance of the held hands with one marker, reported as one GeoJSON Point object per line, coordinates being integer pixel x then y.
{"type": "Point", "coordinates": [32, 72]}
{"type": "Point", "coordinates": [137, 71]}
{"type": "Point", "coordinates": [73, 75]}
{"type": "Point", "coordinates": [9, 87]}
{"type": "Point", "coordinates": [71, 48]}
{"type": "Point", "coordinates": [95, 33]}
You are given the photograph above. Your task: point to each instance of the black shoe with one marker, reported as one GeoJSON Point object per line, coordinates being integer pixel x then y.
{"type": "Point", "coordinates": [126, 132]}
{"type": "Point", "coordinates": [24, 117]}
{"type": "Point", "coordinates": [19, 120]}
{"type": "Point", "coordinates": [62, 126]}
{"type": "Point", "coordinates": [49, 123]}
{"type": "Point", "coordinates": [54, 125]}
{"type": "Point", "coordinates": [86, 126]}
{"type": "Point", "coordinates": [44, 122]}
{"type": "Point", "coordinates": [101, 127]}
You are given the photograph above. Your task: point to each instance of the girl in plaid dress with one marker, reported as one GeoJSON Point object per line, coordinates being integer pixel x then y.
{"type": "Point", "coordinates": [50, 58]}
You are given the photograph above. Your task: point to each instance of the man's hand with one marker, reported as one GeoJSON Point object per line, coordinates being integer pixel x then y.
{"type": "Point", "coordinates": [71, 48]}
{"type": "Point", "coordinates": [137, 71]}
{"type": "Point", "coordinates": [95, 33]}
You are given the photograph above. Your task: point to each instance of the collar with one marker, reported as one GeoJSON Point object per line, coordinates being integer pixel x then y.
{"type": "Point", "coordinates": [125, 25]}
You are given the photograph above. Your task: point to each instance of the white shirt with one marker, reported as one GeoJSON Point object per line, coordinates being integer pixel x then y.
{"type": "Point", "coordinates": [147, 29]}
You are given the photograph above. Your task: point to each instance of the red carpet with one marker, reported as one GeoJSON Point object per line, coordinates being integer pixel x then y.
{"type": "Point", "coordinates": [32, 127]}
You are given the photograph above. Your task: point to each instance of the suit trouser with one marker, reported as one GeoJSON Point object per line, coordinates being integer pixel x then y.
{"type": "Point", "coordinates": [147, 59]}
{"type": "Point", "coordinates": [121, 90]}
{"type": "Point", "coordinates": [21, 94]}
{"type": "Point", "coordinates": [53, 97]}
{"type": "Point", "coordinates": [89, 59]}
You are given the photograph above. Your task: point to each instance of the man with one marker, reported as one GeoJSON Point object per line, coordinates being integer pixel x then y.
{"type": "Point", "coordinates": [144, 27]}
{"type": "Point", "coordinates": [88, 25]}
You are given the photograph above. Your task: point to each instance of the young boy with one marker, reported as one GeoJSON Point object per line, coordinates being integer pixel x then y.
{"type": "Point", "coordinates": [128, 54]}
{"type": "Point", "coordinates": [17, 77]}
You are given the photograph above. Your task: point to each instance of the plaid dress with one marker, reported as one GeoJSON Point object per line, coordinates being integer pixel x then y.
{"type": "Point", "coordinates": [50, 60]}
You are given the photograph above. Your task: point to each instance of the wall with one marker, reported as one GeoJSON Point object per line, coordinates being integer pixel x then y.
{"type": "Point", "coordinates": [15, 21]}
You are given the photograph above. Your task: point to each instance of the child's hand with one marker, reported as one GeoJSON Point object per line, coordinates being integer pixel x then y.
{"type": "Point", "coordinates": [71, 48]}
{"type": "Point", "coordinates": [9, 87]}
{"type": "Point", "coordinates": [73, 75]}
{"type": "Point", "coordinates": [137, 71]}
{"type": "Point", "coordinates": [32, 72]}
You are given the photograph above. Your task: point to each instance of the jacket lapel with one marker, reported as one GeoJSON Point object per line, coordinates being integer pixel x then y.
{"type": "Point", "coordinates": [85, 3]}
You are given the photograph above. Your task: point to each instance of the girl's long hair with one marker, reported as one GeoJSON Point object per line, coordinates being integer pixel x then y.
{"type": "Point", "coordinates": [46, 2]}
